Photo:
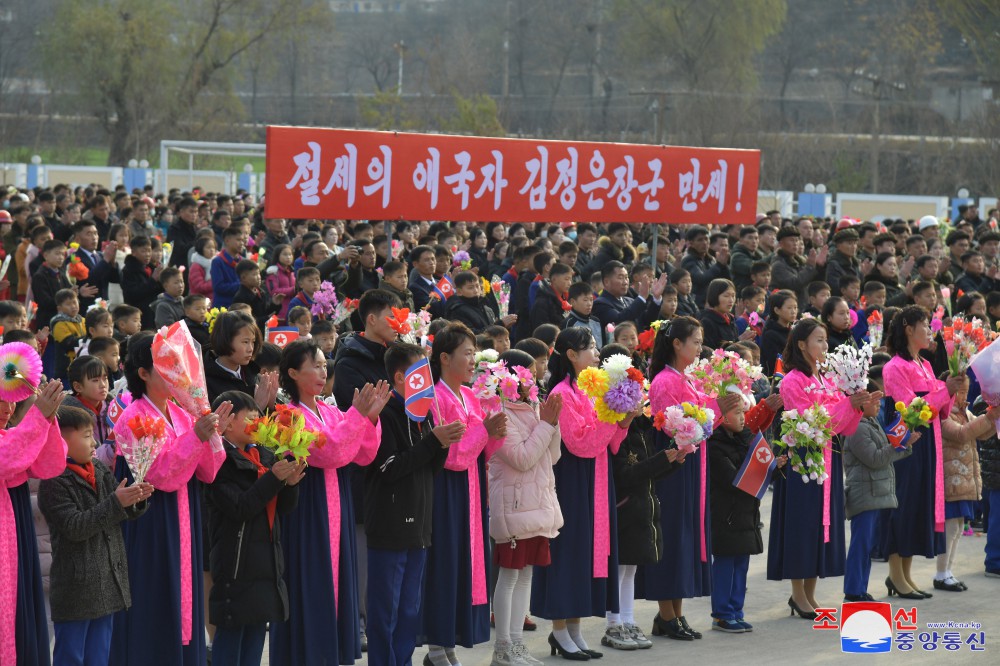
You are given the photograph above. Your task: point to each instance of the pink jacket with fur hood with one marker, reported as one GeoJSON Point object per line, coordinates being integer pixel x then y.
{"type": "Point", "coordinates": [523, 502]}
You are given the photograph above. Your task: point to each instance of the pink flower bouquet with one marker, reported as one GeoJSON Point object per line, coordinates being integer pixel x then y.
{"type": "Point", "coordinates": [495, 384]}
{"type": "Point", "coordinates": [725, 372]}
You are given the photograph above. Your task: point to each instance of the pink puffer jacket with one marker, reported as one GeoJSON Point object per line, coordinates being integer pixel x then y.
{"type": "Point", "coordinates": [522, 487]}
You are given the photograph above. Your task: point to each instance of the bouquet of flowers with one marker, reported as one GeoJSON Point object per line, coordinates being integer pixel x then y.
{"type": "Point", "coordinates": [345, 309]}
{"type": "Point", "coordinates": [725, 372]}
{"type": "Point", "coordinates": [495, 384]}
{"type": "Point", "coordinates": [462, 259]}
{"type": "Point", "coordinates": [616, 388]}
{"type": "Point", "coordinates": [501, 292]}
{"type": "Point", "coordinates": [409, 326]}
{"type": "Point", "coordinates": [284, 431]}
{"type": "Point", "coordinates": [688, 425]}
{"type": "Point", "coordinates": [847, 367]}
{"type": "Point", "coordinates": [212, 315]}
{"type": "Point", "coordinates": [648, 338]}
{"type": "Point", "coordinates": [875, 328]}
{"type": "Point", "coordinates": [808, 430]}
{"type": "Point", "coordinates": [141, 442]}
{"type": "Point", "coordinates": [918, 414]}
{"type": "Point", "coordinates": [325, 300]}
{"type": "Point", "coordinates": [167, 249]}
{"type": "Point", "coordinates": [77, 270]}
{"type": "Point", "coordinates": [485, 356]}
{"type": "Point", "coordinates": [986, 366]}
{"type": "Point", "coordinates": [177, 358]}
{"type": "Point", "coordinates": [962, 340]}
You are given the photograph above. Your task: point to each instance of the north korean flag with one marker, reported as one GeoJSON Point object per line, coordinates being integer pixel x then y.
{"type": "Point", "coordinates": [898, 433]}
{"type": "Point", "coordinates": [114, 410]}
{"type": "Point", "coordinates": [282, 335]}
{"type": "Point", "coordinates": [418, 390]}
{"type": "Point", "coordinates": [755, 474]}
{"type": "Point", "coordinates": [445, 288]}
{"type": "Point", "coordinates": [779, 368]}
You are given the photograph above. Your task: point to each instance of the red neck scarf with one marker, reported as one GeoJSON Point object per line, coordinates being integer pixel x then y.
{"type": "Point", "coordinates": [253, 455]}
{"type": "Point", "coordinates": [85, 472]}
{"type": "Point", "coordinates": [563, 302]}
{"type": "Point", "coordinates": [227, 260]}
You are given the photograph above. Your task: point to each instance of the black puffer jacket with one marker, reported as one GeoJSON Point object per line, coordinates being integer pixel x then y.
{"type": "Point", "coordinates": [772, 343]}
{"type": "Point", "coordinates": [246, 560]}
{"type": "Point", "coordinates": [719, 329]}
{"type": "Point", "coordinates": [989, 455]}
{"type": "Point", "coordinates": [636, 466]}
{"type": "Point", "coordinates": [735, 514]}
{"type": "Point", "coordinates": [220, 380]}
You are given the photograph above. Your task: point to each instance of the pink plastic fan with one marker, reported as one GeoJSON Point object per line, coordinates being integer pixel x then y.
{"type": "Point", "coordinates": [22, 370]}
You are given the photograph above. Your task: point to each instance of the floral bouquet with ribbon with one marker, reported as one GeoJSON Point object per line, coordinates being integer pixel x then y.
{"type": "Point", "coordinates": [688, 425]}
{"type": "Point", "coordinates": [616, 388]}
{"type": "Point", "coordinates": [325, 301]}
{"type": "Point", "coordinates": [284, 431]}
{"type": "Point", "coordinates": [177, 358]}
{"type": "Point", "coordinates": [725, 372]}
{"type": "Point", "coordinates": [496, 384]}
{"type": "Point", "coordinates": [875, 328]}
{"type": "Point", "coordinates": [140, 442]}
{"type": "Point", "coordinates": [847, 367]}
{"type": "Point", "coordinates": [804, 436]}
{"type": "Point", "coordinates": [501, 292]}
{"type": "Point", "coordinates": [962, 340]}
{"type": "Point", "coordinates": [917, 414]}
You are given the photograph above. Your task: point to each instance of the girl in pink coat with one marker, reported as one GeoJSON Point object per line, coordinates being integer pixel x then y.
{"type": "Point", "coordinates": [524, 509]}
{"type": "Point", "coordinates": [32, 448]}
{"type": "Point", "coordinates": [281, 277]}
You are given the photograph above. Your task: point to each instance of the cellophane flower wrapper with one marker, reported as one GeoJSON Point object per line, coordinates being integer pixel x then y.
{"type": "Point", "coordinates": [140, 443]}
{"type": "Point", "coordinates": [284, 431]}
{"type": "Point", "coordinates": [325, 301]}
{"type": "Point", "coordinates": [344, 310]}
{"type": "Point", "coordinates": [847, 367]}
{"type": "Point", "coordinates": [725, 372]}
{"type": "Point", "coordinates": [501, 292]}
{"type": "Point", "coordinates": [963, 340]}
{"type": "Point", "coordinates": [986, 366]}
{"type": "Point", "coordinates": [687, 424]}
{"type": "Point", "coordinates": [804, 436]}
{"type": "Point", "coordinates": [917, 414]}
{"type": "Point", "coordinates": [177, 358]}
{"type": "Point", "coordinates": [495, 384]}
{"type": "Point", "coordinates": [616, 388]}
{"type": "Point", "coordinates": [875, 329]}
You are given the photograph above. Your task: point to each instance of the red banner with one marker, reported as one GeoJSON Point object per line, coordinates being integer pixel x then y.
{"type": "Point", "coordinates": [354, 174]}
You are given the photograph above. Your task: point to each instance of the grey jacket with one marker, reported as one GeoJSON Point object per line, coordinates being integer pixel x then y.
{"type": "Point", "coordinates": [89, 577]}
{"type": "Point", "coordinates": [167, 310]}
{"type": "Point", "coordinates": [868, 459]}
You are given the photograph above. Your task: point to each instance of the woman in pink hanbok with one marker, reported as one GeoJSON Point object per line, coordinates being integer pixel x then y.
{"type": "Point", "coordinates": [807, 517]}
{"type": "Point", "coordinates": [32, 448]}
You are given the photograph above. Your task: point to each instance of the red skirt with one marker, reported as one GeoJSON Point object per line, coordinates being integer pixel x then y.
{"type": "Point", "coordinates": [528, 552]}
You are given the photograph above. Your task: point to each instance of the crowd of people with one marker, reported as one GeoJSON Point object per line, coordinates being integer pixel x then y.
{"type": "Point", "coordinates": [395, 532]}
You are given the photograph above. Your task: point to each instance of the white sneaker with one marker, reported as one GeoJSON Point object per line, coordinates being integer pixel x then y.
{"type": "Point", "coordinates": [638, 636]}
{"type": "Point", "coordinates": [619, 638]}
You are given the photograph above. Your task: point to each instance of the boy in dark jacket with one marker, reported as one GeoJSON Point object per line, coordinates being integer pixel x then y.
{"type": "Point", "coordinates": [84, 508]}
{"type": "Point", "coordinates": [470, 307]}
{"type": "Point", "coordinates": [581, 302]}
{"type": "Point", "coordinates": [140, 281]}
{"type": "Point", "coordinates": [394, 281]}
{"type": "Point", "coordinates": [195, 311]}
{"type": "Point", "coordinates": [261, 303]}
{"type": "Point", "coordinates": [551, 299]}
{"type": "Point", "coordinates": [399, 491]}
{"type": "Point", "coordinates": [735, 516]}
{"type": "Point", "coordinates": [169, 306]}
{"type": "Point", "coordinates": [250, 491]}
{"type": "Point", "coordinates": [47, 280]}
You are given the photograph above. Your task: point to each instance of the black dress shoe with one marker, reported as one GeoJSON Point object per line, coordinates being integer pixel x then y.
{"type": "Point", "coordinates": [948, 587]}
{"type": "Point", "coordinates": [859, 597]}
{"type": "Point", "coordinates": [926, 595]}
{"type": "Point", "coordinates": [593, 654]}
{"type": "Point", "coordinates": [687, 627]}
{"type": "Point", "coordinates": [891, 587]}
{"type": "Point", "coordinates": [671, 629]}
{"type": "Point", "coordinates": [556, 648]}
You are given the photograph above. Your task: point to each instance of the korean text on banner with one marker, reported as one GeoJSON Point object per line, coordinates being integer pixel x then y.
{"type": "Point", "coordinates": [356, 174]}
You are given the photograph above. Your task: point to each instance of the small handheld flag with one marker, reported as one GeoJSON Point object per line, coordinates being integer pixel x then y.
{"type": "Point", "coordinates": [445, 288]}
{"type": "Point", "coordinates": [754, 475]}
{"type": "Point", "coordinates": [779, 368]}
{"type": "Point", "coordinates": [114, 410]}
{"type": "Point", "coordinates": [282, 335]}
{"type": "Point", "coordinates": [418, 390]}
{"type": "Point", "coordinates": [898, 433]}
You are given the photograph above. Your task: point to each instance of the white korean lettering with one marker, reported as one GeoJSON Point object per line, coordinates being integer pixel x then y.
{"type": "Point", "coordinates": [345, 173]}
{"type": "Point", "coordinates": [567, 170]}
{"type": "Point", "coordinates": [461, 178]}
{"type": "Point", "coordinates": [596, 167]}
{"type": "Point", "coordinates": [307, 174]}
{"type": "Point", "coordinates": [380, 171]}
{"type": "Point", "coordinates": [689, 186]}
{"type": "Point", "coordinates": [717, 185]}
{"type": "Point", "coordinates": [625, 182]}
{"type": "Point", "coordinates": [538, 168]}
{"type": "Point", "coordinates": [655, 183]}
{"type": "Point", "coordinates": [493, 179]}
{"type": "Point", "coordinates": [425, 175]}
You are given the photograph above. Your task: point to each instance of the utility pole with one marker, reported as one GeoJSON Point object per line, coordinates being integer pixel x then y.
{"type": "Point", "coordinates": [506, 54]}
{"type": "Point", "coordinates": [880, 89]}
{"type": "Point", "coordinates": [400, 47]}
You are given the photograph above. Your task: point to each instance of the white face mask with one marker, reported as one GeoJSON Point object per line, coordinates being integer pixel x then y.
{"type": "Point", "coordinates": [571, 235]}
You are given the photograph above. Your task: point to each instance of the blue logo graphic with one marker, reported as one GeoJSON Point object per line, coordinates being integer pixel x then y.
{"type": "Point", "coordinates": [866, 628]}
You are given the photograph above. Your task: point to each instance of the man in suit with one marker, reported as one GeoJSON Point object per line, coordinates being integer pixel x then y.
{"type": "Point", "coordinates": [102, 266]}
{"type": "Point", "coordinates": [614, 307]}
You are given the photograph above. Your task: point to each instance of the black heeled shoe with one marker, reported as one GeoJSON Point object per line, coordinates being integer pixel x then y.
{"type": "Point", "coordinates": [687, 627]}
{"type": "Point", "coordinates": [556, 648]}
{"type": "Point", "coordinates": [593, 654]}
{"type": "Point", "coordinates": [795, 610]}
{"type": "Point", "coordinates": [948, 587]}
{"type": "Point", "coordinates": [891, 587]}
{"type": "Point", "coordinates": [925, 595]}
{"type": "Point", "coordinates": [671, 629]}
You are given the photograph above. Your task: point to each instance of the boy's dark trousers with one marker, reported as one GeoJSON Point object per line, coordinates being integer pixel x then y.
{"type": "Point", "coordinates": [729, 586]}
{"type": "Point", "coordinates": [395, 587]}
{"type": "Point", "coordinates": [83, 642]}
{"type": "Point", "coordinates": [859, 555]}
{"type": "Point", "coordinates": [239, 646]}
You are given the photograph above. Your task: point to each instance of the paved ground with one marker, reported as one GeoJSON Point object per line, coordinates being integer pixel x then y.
{"type": "Point", "coordinates": [779, 639]}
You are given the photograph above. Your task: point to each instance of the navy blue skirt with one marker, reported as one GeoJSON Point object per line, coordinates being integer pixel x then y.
{"type": "Point", "coordinates": [448, 617]}
{"type": "Point", "coordinates": [150, 631]}
{"type": "Point", "coordinates": [31, 626]}
{"type": "Point", "coordinates": [308, 637]}
{"type": "Point", "coordinates": [567, 587]}
{"type": "Point", "coordinates": [795, 547]}
{"type": "Point", "coordinates": [680, 573]}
